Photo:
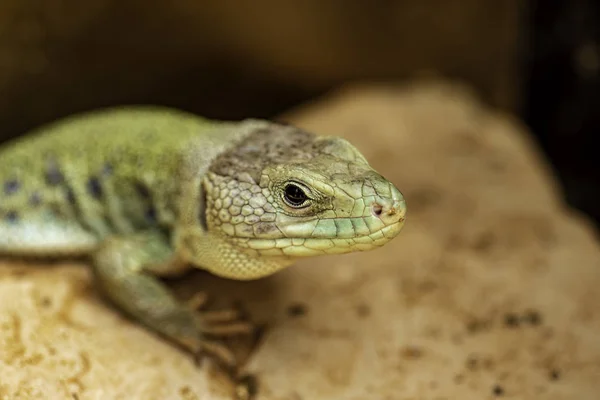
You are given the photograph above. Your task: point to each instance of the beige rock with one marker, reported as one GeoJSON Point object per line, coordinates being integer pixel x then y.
{"type": "Point", "coordinates": [491, 289]}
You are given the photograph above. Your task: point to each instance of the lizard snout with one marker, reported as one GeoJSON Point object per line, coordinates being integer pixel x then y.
{"type": "Point", "coordinates": [390, 210]}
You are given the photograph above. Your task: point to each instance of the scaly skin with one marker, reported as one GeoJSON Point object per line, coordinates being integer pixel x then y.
{"type": "Point", "coordinates": [148, 192]}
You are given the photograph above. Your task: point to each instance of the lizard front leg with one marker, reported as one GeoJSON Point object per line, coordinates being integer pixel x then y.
{"type": "Point", "coordinates": [124, 268]}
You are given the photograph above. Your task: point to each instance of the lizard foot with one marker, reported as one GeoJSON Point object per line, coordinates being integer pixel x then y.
{"type": "Point", "coordinates": [215, 327]}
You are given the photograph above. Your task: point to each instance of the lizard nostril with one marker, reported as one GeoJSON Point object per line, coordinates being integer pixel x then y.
{"type": "Point", "coordinates": [377, 209]}
{"type": "Point", "coordinates": [387, 211]}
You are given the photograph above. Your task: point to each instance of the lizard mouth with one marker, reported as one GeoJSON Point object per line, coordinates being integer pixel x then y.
{"type": "Point", "coordinates": [306, 247]}
{"type": "Point", "coordinates": [320, 246]}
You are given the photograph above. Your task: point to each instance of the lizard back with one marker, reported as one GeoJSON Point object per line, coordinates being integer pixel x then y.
{"type": "Point", "coordinates": [67, 185]}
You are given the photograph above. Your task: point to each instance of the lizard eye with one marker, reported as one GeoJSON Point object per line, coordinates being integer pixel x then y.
{"type": "Point", "coordinates": [294, 196]}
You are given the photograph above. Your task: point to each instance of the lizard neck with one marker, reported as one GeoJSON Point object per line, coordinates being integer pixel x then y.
{"type": "Point", "coordinates": [194, 241]}
{"type": "Point", "coordinates": [195, 163]}
{"type": "Point", "coordinates": [215, 254]}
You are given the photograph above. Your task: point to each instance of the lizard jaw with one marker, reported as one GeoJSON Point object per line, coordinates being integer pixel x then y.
{"type": "Point", "coordinates": [307, 247]}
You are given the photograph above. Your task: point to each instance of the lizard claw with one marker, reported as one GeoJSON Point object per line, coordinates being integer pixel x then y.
{"type": "Point", "coordinates": [217, 352]}
{"type": "Point", "coordinates": [214, 327]}
{"type": "Point", "coordinates": [198, 301]}
{"type": "Point", "coordinates": [220, 323]}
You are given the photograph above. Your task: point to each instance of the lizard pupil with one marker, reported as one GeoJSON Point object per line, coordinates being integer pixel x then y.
{"type": "Point", "coordinates": [294, 196]}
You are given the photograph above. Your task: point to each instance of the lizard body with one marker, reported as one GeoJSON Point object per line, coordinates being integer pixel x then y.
{"type": "Point", "coordinates": [149, 191]}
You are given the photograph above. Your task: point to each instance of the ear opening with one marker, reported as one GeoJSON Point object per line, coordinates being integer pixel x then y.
{"type": "Point", "coordinates": [202, 208]}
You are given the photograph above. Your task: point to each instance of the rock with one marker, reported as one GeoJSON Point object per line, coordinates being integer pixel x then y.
{"type": "Point", "coordinates": [490, 291]}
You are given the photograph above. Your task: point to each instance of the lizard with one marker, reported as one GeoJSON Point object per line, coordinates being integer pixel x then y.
{"type": "Point", "coordinates": [146, 192]}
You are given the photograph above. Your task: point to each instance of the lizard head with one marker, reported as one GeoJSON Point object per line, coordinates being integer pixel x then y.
{"type": "Point", "coordinates": [284, 192]}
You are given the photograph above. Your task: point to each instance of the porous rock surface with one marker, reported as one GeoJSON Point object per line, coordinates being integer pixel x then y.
{"type": "Point", "coordinates": [491, 290]}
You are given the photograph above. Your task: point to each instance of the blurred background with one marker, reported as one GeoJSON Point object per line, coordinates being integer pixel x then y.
{"type": "Point", "coordinates": [538, 60]}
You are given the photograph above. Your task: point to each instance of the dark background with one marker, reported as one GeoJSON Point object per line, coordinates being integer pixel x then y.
{"type": "Point", "coordinates": [562, 95]}
{"type": "Point", "coordinates": [539, 60]}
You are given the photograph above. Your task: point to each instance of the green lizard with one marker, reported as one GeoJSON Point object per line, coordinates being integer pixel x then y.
{"type": "Point", "coordinates": [147, 192]}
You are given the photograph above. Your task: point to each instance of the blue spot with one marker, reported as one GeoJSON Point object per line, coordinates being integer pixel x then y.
{"type": "Point", "coordinates": [94, 187]}
{"type": "Point", "coordinates": [11, 217]}
{"type": "Point", "coordinates": [11, 187]}
{"type": "Point", "coordinates": [53, 175]}
{"type": "Point", "coordinates": [151, 214]}
{"type": "Point", "coordinates": [35, 199]}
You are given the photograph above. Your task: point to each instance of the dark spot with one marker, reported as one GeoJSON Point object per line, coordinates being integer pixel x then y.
{"type": "Point", "coordinates": [11, 216]}
{"type": "Point", "coordinates": [472, 362]}
{"type": "Point", "coordinates": [150, 214]}
{"type": "Point", "coordinates": [363, 310]}
{"type": "Point", "coordinates": [484, 242]}
{"type": "Point", "coordinates": [412, 352]}
{"type": "Point", "coordinates": [297, 310]}
{"type": "Point", "coordinates": [511, 320]}
{"type": "Point", "coordinates": [185, 391]}
{"type": "Point", "coordinates": [45, 302]}
{"type": "Point", "coordinates": [265, 227]}
{"type": "Point", "coordinates": [94, 187]}
{"type": "Point", "coordinates": [11, 187]}
{"type": "Point", "coordinates": [533, 317]}
{"type": "Point", "coordinates": [459, 378]}
{"type": "Point", "coordinates": [488, 364]}
{"type": "Point", "coordinates": [554, 375]}
{"type": "Point", "coordinates": [57, 210]}
{"type": "Point", "coordinates": [107, 169]}
{"type": "Point", "coordinates": [53, 175]}
{"type": "Point", "coordinates": [142, 190]}
{"type": "Point", "coordinates": [498, 390]}
{"type": "Point", "coordinates": [70, 195]}
{"type": "Point", "coordinates": [475, 326]}
{"type": "Point", "coordinates": [35, 199]}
